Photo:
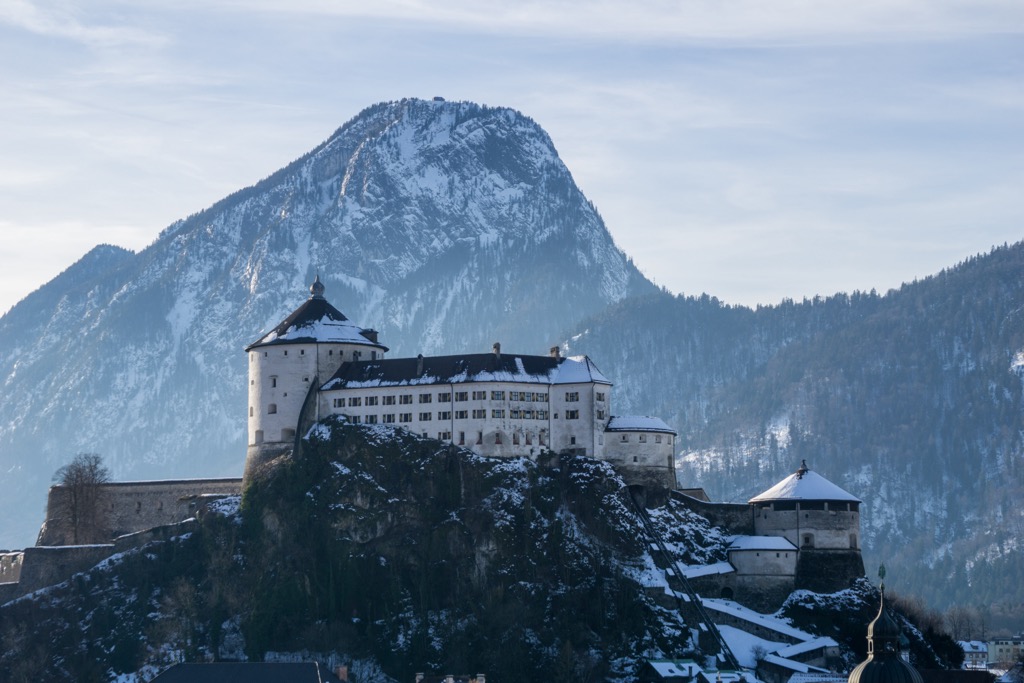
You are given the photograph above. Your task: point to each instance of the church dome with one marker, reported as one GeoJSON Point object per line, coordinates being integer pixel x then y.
{"type": "Point", "coordinates": [884, 664]}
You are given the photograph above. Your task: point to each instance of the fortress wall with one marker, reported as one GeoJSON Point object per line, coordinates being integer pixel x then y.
{"type": "Point", "coordinates": [830, 528]}
{"type": "Point", "coordinates": [10, 566]}
{"type": "Point", "coordinates": [736, 518]}
{"type": "Point", "coordinates": [128, 507]}
{"type": "Point", "coordinates": [827, 571]}
{"type": "Point", "coordinates": [46, 566]}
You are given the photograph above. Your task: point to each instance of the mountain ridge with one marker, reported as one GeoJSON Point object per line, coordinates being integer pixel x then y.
{"type": "Point", "coordinates": [447, 226]}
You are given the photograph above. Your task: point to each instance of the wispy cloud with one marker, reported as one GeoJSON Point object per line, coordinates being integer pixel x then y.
{"type": "Point", "coordinates": [60, 20]}
{"type": "Point", "coordinates": [673, 20]}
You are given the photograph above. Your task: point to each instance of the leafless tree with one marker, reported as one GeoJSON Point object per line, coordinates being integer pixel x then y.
{"type": "Point", "coordinates": [960, 622]}
{"type": "Point", "coordinates": [80, 506]}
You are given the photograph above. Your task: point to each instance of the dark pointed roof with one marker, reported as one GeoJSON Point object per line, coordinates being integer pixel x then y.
{"type": "Point", "coordinates": [318, 321]}
{"type": "Point", "coordinates": [477, 367]}
{"type": "Point", "coordinates": [884, 664]}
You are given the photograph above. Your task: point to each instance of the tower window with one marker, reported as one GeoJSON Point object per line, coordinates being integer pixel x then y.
{"type": "Point", "coordinates": [273, 381]}
{"type": "Point", "coordinates": [272, 409]}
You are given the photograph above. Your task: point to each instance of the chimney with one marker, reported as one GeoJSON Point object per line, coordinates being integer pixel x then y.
{"type": "Point", "coordinates": [341, 671]}
{"type": "Point", "coordinates": [370, 334]}
{"type": "Point", "coordinates": [497, 349]}
{"type": "Point", "coordinates": [419, 365]}
{"type": "Point", "coordinates": [555, 352]}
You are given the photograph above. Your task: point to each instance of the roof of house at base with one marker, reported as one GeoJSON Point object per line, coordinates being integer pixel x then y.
{"type": "Point", "coordinates": [760, 543]}
{"type": "Point", "coordinates": [973, 645]}
{"type": "Point", "coordinates": [246, 672]}
{"type": "Point", "coordinates": [638, 423]}
{"type": "Point", "coordinates": [317, 321]}
{"type": "Point", "coordinates": [476, 367]}
{"type": "Point", "coordinates": [667, 668]}
{"type": "Point", "coordinates": [804, 485]}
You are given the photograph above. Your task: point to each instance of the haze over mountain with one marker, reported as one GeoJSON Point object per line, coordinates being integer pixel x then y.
{"type": "Point", "coordinates": [448, 226]}
{"type": "Point", "coordinates": [913, 401]}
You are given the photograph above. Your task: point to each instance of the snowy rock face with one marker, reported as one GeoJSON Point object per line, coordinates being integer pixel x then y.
{"type": "Point", "coordinates": [446, 226]}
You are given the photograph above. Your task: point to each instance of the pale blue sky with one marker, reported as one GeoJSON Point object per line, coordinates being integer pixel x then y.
{"type": "Point", "coordinates": [752, 149]}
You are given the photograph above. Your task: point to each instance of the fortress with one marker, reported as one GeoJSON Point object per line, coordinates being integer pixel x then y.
{"type": "Point", "coordinates": [801, 533]}
{"type": "Point", "coordinates": [317, 363]}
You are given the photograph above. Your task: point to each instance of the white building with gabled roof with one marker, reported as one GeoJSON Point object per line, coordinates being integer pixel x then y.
{"type": "Point", "coordinates": [317, 363]}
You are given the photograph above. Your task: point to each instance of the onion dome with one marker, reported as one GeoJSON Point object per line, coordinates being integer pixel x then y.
{"type": "Point", "coordinates": [884, 664]}
{"type": "Point", "coordinates": [316, 290]}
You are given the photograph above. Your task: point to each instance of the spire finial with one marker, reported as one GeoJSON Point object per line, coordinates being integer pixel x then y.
{"type": "Point", "coordinates": [316, 290]}
{"type": "Point", "coordinates": [804, 469]}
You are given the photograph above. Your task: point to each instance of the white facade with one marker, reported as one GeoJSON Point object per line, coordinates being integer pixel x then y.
{"type": "Point", "coordinates": [495, 404]}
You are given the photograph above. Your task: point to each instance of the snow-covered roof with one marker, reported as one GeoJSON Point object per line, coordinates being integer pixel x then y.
{"type": "Point", "coordinates": [478, 367]}
{"type": "Point", "coordinates": [694, 571]}
{"type": "Point", "coordinates": [737, 610]}
{"type": "Point", "coordinates": [666, 668]}
{"type": "Point", "coordinates": [637, 423]}
{"type": "Point", "coordinates": [808, 646]}
{"type": "Point", "coordinates": [799, 667]}
{"type": "Point", "coordinates": [804, 485]}
{"type": "Point", "coordinates": [317, 321]}
{"type": "Point", "coordinates": [977, 646]}
{"type": "Point", "coordinates": [760, 543]}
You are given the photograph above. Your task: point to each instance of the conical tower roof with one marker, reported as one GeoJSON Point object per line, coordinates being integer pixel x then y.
{"type": "Point", "coordinates": [317, 321]}
{"type": "Point", "coordinates": [804, 485]}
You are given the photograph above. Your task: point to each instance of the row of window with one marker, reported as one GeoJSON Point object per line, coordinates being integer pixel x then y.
{"type": "Point", "coordinates": [446, 397]}
{"type": "Point", "coordinates": [479, 414]}
{"type": "Point", "coordinates": [643, 438]}
{"type": "Point", "coordinates": [356, 355]}
{"type": "Point", "coordinates": [517, 440]}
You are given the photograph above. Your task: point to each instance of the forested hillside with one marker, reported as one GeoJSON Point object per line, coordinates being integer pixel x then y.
{"type": "Point", "coordinates": [911, 400]}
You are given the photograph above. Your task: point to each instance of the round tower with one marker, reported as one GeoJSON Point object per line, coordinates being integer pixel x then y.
{"type": "Point", "coordinates": [810, 511]}
{"type": "Point", "coordinates": [821, 520]}
{"type": "Point", "coordinates": [287, 366]}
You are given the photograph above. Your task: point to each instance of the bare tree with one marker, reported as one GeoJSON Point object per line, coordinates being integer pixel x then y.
{"type": "Point", "coordinates": [960, 622]}
{"type": "Point", "coordinates": [80, 506]}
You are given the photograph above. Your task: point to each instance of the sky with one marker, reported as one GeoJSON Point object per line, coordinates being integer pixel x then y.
{"type": "Point", "coordinates": [754, 150]}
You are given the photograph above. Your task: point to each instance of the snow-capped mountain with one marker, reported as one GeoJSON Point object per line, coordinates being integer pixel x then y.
{"type": "Point", "coordinates": [446, 226]}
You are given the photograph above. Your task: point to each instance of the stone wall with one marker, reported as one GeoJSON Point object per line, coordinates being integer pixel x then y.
{"type": "Point", "coordinates": [46, 566]}
{"type": "Point", "coordinates": [735, 518]}
{"type": "Point", "coordinates": [10, 566]}
{"type": "Point", "coordinates": [128, 507]}
{"type": "Point", "coordinates": [827, 571]}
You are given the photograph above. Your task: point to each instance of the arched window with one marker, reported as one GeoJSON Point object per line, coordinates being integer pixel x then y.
{"type": "Point", "coordinates": [808, 541]}
{"type": "Point", "coordinates": [853, 541]}
{"type": "Point", "coordinates": [259, 436]}
{"type": "Point", "coordinates": [287, 435]}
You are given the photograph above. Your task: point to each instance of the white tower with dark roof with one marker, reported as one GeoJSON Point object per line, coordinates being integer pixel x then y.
{"type": "Point", "coordinates": [289, 362]}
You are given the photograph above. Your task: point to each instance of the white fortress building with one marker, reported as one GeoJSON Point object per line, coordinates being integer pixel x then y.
{"type": "Point", "coordinates": [317, 363]}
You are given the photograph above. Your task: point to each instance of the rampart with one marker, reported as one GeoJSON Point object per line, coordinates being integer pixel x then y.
{"type": "Point", "coordinates": [128, 507]}
{"type": "Point", "coordinates": [736, 518]}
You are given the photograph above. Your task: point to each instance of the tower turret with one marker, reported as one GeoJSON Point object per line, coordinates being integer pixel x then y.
{"type": "Point", "coordinates": [288, 362]}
